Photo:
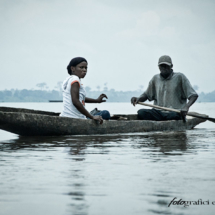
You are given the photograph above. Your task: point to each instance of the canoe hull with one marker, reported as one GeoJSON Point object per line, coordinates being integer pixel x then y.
{"type": "Point", "coordinates": [30, 124]}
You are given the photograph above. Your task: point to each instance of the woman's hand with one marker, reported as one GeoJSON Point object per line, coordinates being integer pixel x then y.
{"type": "Point", "coordinates": [100, 98]}
{"type": "Point", "coordinates": [98, 118]}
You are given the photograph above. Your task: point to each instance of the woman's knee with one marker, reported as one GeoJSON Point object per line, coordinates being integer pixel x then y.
{"type": "Point", "coordinates": [105, 114]}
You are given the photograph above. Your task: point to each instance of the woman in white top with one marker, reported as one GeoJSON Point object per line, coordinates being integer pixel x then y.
{"type": "Point", "coordinates": [74, 94]}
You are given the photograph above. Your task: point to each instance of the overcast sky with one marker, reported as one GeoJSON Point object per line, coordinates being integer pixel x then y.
{"type": "Point", "coordinates": [122, 41]}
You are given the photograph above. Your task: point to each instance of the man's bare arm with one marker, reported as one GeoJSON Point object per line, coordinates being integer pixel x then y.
{"type": "Point", "coordinates": [142, 98]}
{"type": "Point", "coordinates": [191, 101]}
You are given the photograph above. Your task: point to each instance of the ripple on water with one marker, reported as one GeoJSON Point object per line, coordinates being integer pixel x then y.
{"type": "Point", "coordinates": [108, 174]}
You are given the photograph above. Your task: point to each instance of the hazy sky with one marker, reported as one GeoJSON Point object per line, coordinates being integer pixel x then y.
{"type": "Point", "coordinates": [122, 41]}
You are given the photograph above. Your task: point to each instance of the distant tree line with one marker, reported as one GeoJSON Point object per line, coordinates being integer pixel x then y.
{"type": "Point", "coordinates": [113, 95]}
{"type": "Point", "coordinates": [207, 97]}
{"type": "Point", "coordinates": [29, 95]}
{"type": "Point", "coordinates": [44, 95]}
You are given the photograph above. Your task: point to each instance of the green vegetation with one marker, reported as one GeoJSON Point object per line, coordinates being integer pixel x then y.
{"type": "Point", "coordinates": [207, 97]}
{"type": "Point", "coordinates": [29, 95]}
{"type": "Point", "coordinates": [113, 96]}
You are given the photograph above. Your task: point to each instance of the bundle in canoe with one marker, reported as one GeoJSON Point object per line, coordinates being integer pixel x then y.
{"type": "Point", "coordinates": [26, 122]}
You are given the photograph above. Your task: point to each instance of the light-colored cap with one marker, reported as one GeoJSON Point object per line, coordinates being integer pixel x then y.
{"type": "Point", "coordinates": [165, 59]}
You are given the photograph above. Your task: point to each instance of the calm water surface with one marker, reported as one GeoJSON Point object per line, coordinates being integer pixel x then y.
{"type": "Point", "coordinates": [108, 174]}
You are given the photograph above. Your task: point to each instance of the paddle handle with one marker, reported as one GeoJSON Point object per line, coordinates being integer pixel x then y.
{"type": "Point", "coordinates": [158, 107]}
{"type": "Point", "coordinates": [174, 110]}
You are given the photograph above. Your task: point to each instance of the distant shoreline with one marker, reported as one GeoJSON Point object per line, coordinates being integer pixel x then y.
{"type": "Point", "coordinates": [56, 96]}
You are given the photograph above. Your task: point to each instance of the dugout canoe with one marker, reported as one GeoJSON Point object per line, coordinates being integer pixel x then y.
{"type": "Point", "coordinates": [26, 122]}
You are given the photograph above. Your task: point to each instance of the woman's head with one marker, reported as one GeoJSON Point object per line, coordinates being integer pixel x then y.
{"type": "Point", "coordinates": [71, 68]}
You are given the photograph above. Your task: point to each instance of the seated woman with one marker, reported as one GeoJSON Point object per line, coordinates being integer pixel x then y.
{"type": "Point", "coordinates": [74, 94]}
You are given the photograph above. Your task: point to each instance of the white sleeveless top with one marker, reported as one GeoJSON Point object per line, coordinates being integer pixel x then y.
{"type": "Point", "coordinates": [69, 110]}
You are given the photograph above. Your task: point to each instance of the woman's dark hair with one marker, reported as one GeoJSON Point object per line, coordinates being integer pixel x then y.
{"type": "Point", "coordinates": [74, 62]}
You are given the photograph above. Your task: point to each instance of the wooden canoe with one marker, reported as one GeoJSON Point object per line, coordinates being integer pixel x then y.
{"type": "Point", "coordinates": [26, 122]}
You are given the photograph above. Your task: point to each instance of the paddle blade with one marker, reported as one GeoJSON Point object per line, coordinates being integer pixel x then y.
{"type": "Point", "coordinates": [211, 119]}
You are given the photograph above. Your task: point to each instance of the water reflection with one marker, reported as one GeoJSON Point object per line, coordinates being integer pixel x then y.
{"type": "Point", "coordinates": [166, 142]}
{"type": "Point", "coordinates": [169, 143]}
{"type": "Point", "coordinates": [98, 171]}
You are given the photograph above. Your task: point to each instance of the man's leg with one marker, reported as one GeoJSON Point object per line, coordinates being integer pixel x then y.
{"type": "Point", "coordinates": [173, 116]}
{"type": "Point", "coordinates": [150, 114]}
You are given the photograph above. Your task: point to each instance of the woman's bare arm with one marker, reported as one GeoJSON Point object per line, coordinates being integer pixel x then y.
{"type": "Point", "coordinates": [76, 102]}
{"type": "Point", "coordinates": [98, 100]}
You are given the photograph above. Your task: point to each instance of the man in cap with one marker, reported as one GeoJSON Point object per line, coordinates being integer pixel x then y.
{"type": "Point", "coordinates": [167, 89]}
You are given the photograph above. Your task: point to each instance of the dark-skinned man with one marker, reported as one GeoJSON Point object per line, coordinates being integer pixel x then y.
{"type": "Point", "coordinates": [167, 89]}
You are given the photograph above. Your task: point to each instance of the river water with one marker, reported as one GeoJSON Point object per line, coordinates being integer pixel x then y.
{"type": "Point", "coordinates": [118, 174]}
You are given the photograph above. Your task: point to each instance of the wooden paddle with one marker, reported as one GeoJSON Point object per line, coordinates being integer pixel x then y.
{"type": "Point", "coordinates": [178, 111]}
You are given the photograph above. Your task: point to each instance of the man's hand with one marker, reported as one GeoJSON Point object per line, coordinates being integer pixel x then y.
{"type": "Point", "coordinates": [142, 98]}
{"type": "Point", "coordinates": [100, 98]}
{"type": "Point", "coordinates": [134, 100]}
{"type": "Point", "coordinates": [184, 111]}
